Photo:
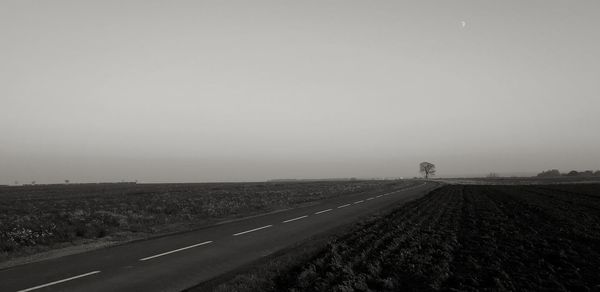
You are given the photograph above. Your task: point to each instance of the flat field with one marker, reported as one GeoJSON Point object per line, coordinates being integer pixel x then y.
{"type": "Point", "coordinates": [38, 218]}
{"type": "Point", "coordinates": [459, 237]}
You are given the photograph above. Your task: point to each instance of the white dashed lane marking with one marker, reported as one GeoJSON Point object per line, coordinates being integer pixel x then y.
{"type": "Point", "coordinates": [344, 206]}
{"type": "Point", "coordinates": [294, 219]}
{"type": "Point", "coordinates": [59, 281]}
{"type": "Point", "coordinates": [173, 251]}
{"type": "Point", "coordinates": [317, 213]}
{"type": "Point", "coordinates": [252, 230]}
{"type": "Point", "coordinates": [357, 202]}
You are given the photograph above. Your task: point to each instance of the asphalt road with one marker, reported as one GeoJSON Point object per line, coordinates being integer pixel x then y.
{"type": "Point", "coordinates": [179, 261]}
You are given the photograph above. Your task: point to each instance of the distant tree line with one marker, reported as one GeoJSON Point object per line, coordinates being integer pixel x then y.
{"type": "Point", "coordinates": [555, 173]}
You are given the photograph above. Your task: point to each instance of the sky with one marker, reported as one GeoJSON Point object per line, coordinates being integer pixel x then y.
{"type": "Point", "coordinates": [193, 91]}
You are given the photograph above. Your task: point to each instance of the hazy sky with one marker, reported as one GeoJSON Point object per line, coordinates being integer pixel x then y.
{"type": "Point", "coordinates": [252, 90]}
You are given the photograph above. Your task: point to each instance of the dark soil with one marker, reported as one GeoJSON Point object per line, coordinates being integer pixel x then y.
{"type": "Point", "coordinates": [467, 238]}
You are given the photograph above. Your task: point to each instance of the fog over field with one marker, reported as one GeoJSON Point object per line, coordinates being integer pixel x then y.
{"type": "Point", "coordinates": [185, 91]}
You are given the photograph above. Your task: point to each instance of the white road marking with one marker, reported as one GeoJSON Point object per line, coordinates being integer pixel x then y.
{"type": "Point", "coordinates": [251, 230]}
{"type": "Point", "coordinates": [322, 211]}
{"type": "Point", "coordinates": [297, 218]}
{"type": "Point", "coordinates": [59, 281]}
{"type": "Point", "coordinates": [343, 206]}
{"type": "Point", "coordinates": [378, 196]}
{"type": "Point", "coordinates": [371, 198]}
{"type": "Point", "coordinates": [176, 250]}
{"type": "Point", "coordinates": [358, 202]}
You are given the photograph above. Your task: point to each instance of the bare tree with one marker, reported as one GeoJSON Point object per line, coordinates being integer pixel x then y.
{"type": "Point", "coordinates": [427, 169]}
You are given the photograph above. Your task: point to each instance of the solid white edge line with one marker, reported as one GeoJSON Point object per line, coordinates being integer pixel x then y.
{"type": "Point", "coordinates": [59, 281]}
{"type": "Point", "coordinates": [358, 202]}
{"type": "Point", "coordinates": [255, 229]}
{"type": "Point", "coordinates": [343, 206]}
{"type": "Point", "coordinates": [176, 250]}
{"type": "Point", "coordinates": [294, 219]}
{"type": "Point", "coordinates": [323, 211]}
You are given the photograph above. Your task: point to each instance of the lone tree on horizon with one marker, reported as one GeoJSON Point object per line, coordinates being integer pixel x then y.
{"type": "Point", "coordinates": [427, 169]}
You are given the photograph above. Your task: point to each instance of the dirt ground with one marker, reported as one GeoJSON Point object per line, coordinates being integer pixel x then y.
{"type": "Point", "coordinates": [467, 238]}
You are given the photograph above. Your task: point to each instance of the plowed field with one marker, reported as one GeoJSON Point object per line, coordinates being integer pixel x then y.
{"type": "Point", "coordinates": [467, 238]}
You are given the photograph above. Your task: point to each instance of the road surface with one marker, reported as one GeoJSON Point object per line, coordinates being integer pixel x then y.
{"type": "Point", "coordinates": [177, 262]}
